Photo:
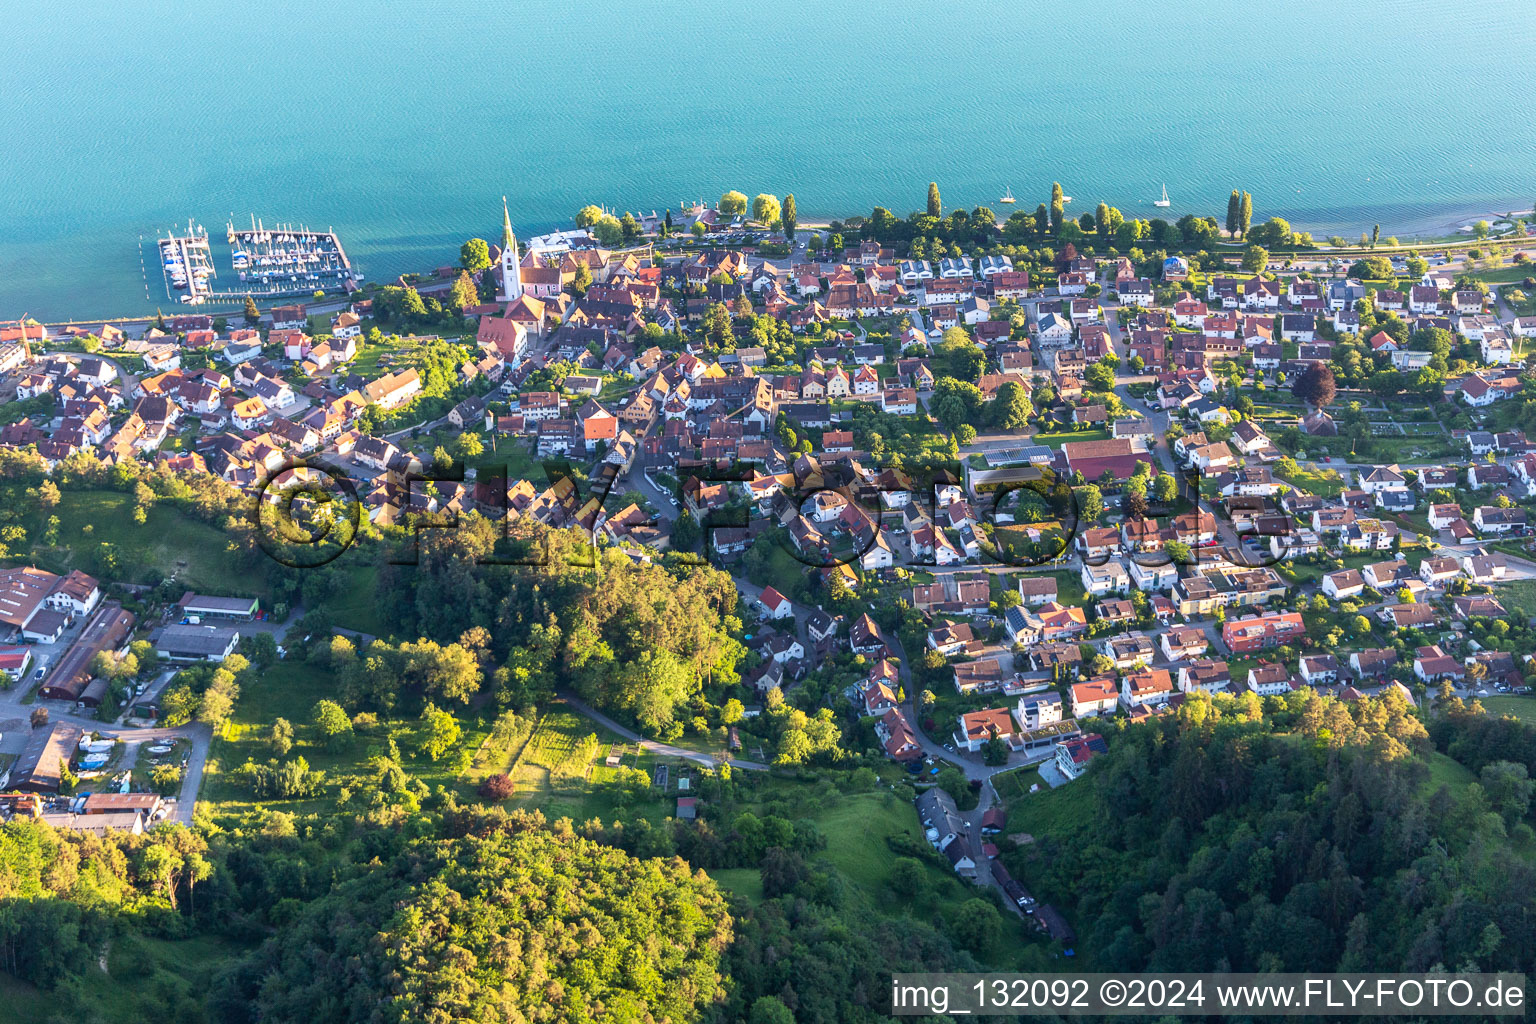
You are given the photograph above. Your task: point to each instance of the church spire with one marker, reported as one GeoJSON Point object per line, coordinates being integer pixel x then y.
{"type": "Point", "coordinates": [511, 266]}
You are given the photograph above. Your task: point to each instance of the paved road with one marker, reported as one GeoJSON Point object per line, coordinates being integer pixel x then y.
{"type": "Point", "coordinates": [659, 497]}
{"type": "Point", "coordinates": [15, 722]}
{"type": "Point", "coordinates": [192, 782]}
{"type": "Point", "coordinates": [654, 746]}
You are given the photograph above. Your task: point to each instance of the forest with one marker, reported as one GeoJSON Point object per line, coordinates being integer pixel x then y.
{"type": "Point", "coordinates": [1303, 833]}
{"type": "Point", "coordinates": [1306, 834]}
{"type": "Point", "coordinates": [655, 644]}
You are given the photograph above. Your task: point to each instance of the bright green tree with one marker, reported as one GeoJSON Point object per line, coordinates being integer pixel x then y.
{"type": "Point", "coordinates": [475, 255]}
{"type": "Point", "coordinates": [765, 208]}
{"type": "Point", "coordinates": [733, 203]}
{"type": "Point", "coordinates": [331, 721]}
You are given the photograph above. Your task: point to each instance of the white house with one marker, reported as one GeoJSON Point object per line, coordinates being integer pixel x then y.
{"type": "Point", "coordinates": [1381, 478]}
{"type": "Point", "coordinates": [1151, 578]}
{"type": "Point", "coordinates": [1149, 686]}
{"type": "Point", "coordinates": [1054, 330]}
{"type": "Point", "coordinates": [1345, 583]}
{"type": "Point", "coordinates": [1109, 578]}
{"type": "Point", "coordinates": [774, 605]}
{"type": "Point", "coordinates": [1094, 697]}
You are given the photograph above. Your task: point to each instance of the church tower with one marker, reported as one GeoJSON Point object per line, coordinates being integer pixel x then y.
{"type": "Point", "coordinates": [511, 266]}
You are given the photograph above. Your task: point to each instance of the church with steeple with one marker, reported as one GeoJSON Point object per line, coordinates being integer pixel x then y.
{"type": "Point", "coordinates": [511, 266]}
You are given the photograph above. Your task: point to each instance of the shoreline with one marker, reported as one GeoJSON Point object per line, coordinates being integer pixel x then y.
{"type": "Point", "coordinates": [1437, 229]}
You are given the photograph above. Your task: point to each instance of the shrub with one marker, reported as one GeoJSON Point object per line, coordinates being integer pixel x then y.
{"type": "Point", "coordinates": [497, 787]}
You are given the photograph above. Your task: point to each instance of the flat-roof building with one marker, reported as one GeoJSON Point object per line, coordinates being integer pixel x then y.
{"type": "Point", "coordinates": [196, 643]}
{"type": "Point", "coordinates": [116, 821]}
{"type": "Point", "coordinates": [205, 606]}
{"type": "Point", "coordinates": [107, 803]}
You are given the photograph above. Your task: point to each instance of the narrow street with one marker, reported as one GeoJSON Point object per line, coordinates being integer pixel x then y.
{"type": "Point", "coordinates": [656, 746]}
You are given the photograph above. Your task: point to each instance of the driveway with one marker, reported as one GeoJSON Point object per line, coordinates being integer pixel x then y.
{"type": "Point", "coordinates": [655, 746]}
{"type": "Point", "coordinates": [192, 782]}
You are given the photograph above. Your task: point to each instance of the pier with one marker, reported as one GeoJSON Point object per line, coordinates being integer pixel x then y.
{"type": "Point", "coordinates": [288, 260]}
{"type": "Point", "coordinates": [268, 263]}
{"type": "Point", "coordinates": [187, 265]}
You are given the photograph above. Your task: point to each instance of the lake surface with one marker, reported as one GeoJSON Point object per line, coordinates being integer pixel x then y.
{"type": "Point", "coordinates": [402, 125]}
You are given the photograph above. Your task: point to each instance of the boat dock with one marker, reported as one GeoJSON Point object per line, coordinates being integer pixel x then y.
{"type": "Point", "coordinates": [288, 260]}
{"type": "Point", "coordinates": [268, 263]}
{"type": "Point", "coordinates": [187, 264]}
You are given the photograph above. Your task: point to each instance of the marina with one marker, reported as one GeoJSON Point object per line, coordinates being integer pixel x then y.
{"type": "Point", "coordinates": [187, 264]}
{"type": "Point", "coordinates": [283, 260]}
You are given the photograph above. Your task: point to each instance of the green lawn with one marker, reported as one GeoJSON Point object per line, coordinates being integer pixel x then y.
{"type": "Point", "coordinates": [290, 689]}
{"type": "Point", "coordinates": [357, 606]}
{"type": "Point", "coordinates": [1518, 597]}
{"type": "Point", "coordinates": [1446, 771]}
{"type": "Point", "coordinates": [1523, 708]}
{"type": "Point", "coordinates": [1053, 811]}
{"type": "Point", "coordinates": [1325, 483]}
{"type": "Point", "coordinates": [168, 543]}
{"type": "Point", "coordinates": [376, 360]}
{"type": "Point", "coordinates": [1056, 440]}
{"type": "Point", "coordinates": [1304, 573]}
{"type": "Point", "coordinates": [747, 882]}
{"type": "Point", "coordinates": [1013, 787]}
{"type": "Point", "coordinates": [857, 827]}
{"type": "Point", "coordinates": [1511, 274]}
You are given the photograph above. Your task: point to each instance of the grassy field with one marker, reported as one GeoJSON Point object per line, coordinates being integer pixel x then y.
{"type": "Point", "coordinates": [1446, 771]}
{"type": "Point", "coordinates": [168, 543]}
{"type": "Point", "coordinates": [1326, 483]}
{"type": "Point", "coordinates": [1406, 449]}
{"type": "Point", "coordinates": [1014, 786]}
{"type": "Point", "coordinates": [356, 606]}
{"type": "Point", "coordinates": [747, 882]}
{"type": "Point", "coordinates": [562, 773]}
{"type": "Point", "coordinates": [290, 690]}
{"type": "Point", "coordinates": [375, 360]}
{"type": "Point", "coordinates": [1303, 573]}
{"type": "Point", "coordinates": [1503, 275]}
{"type": "Point", "coordinates": [1052, 811]}
{"type": "Point", "coordinates": [857, 828]}
{"type": "Point", "coordinates": [1520, 595]}
{"type": "Point", "coordinates": [1523, 708]}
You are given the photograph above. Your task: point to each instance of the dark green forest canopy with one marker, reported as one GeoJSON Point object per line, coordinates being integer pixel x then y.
{"type": "Point", "coordinates": [640, 639]}
{"type": "Point", "coordinates": [1307, 837]}
{"type": "Point", "coordinates": [504, 929]}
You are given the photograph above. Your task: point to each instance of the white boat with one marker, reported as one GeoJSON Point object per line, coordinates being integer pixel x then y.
{"type": "Point", "coordinates": [1007, 196]}
{"type": "Point", "coordinates": [1165, 200]}
{"type": "Point", "coordinates": [1065, 200]}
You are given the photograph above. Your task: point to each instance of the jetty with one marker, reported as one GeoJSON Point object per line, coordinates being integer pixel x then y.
{"type": "Point", "coordinates": [288, 260]}
{"type": "Point", "coordinates": [187, 264]}
{"type": "Point", "coordinates": [270, 263]}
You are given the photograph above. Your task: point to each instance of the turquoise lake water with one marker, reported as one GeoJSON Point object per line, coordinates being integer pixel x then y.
{"type": "Point", "coordinates": [401, 125]}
